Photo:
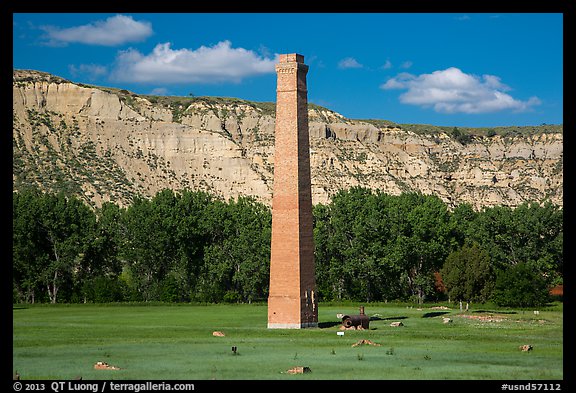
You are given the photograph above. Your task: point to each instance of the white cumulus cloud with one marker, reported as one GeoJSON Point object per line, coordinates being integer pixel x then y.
{"type": "Point", "coordinates": [453, 91]}
{"type": "Point", "coordinates": [207, 64]}
{"type": "Point", "coordinates": [349, 62]}
{"type": "Point", "coordinates": [116, 30]}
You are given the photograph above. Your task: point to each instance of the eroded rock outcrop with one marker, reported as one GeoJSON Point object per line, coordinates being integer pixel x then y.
{"type": "Point", "coordinates": [109, 145]}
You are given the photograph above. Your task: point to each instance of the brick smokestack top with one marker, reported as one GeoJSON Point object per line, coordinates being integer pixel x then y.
{"type": "Point", "coordinates": [291, 57]}
{"type": "Point", "coordinates": [292, 301]}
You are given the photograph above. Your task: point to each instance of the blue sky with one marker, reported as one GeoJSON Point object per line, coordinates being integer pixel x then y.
{"type": "Point", "coordinates": [446, 69]}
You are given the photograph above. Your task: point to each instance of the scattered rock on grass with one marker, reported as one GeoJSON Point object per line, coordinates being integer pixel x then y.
{"type": "Point", "coordinates": [396, 324]}
{"type": "Point", "coordinates": [365, 342]}
{"type": "Point", "coordinates": [218, 334]}
{"type": "Point", "coordinates": [104, 366]}
{"type": "Point", "coordinates": [299, 370]}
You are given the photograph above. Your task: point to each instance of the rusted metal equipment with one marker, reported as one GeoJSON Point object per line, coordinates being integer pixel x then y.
{"type": "Point", "coordinates": [361, 321]}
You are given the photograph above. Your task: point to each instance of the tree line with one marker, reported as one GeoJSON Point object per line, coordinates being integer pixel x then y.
{"type": "Point", "coordinates": [190, 246]}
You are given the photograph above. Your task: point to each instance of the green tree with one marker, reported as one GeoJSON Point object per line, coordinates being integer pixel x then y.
{"type": "Point", "coordinates": [326, 287]}
{"type": "Point", "coordinates": [181, 246]}
{"type": "Point", "coordinates": [520, 286]}
{"type": "Point", "coordinates": [373, 246]}
{"type": "Point", "coordinates": [530, 233]}
{"type": "Point", "coordinates": [99, 272]}
{"type": "Point", "coordinates": [538, 239]}
{"type": "Point", "coordinates": [51, 237]}
{"type": "Point", "coordinates": [422, 241]}
{"type": "Point", "coordinates": [27, 246]}
{"type": "Point", "coordinates": [192, 233]}
{"type": "Point", "coordinates": [68, 226]}
{"type": "Point", "coordinates": [350, 237]}
{"type": "Point", "coordinates": [468, 275]}
{"type": "Point", "coordinates": [237, 257]}
{"type": "Point", "coordinates": [165, 238]}
{"type": "Point", "coordinates": [146, 248]}
{"type": "Point", "coordinates": [461, 220]}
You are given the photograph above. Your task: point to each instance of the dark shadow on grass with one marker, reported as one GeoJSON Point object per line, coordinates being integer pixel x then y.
{"type": "Point", "coordinates": [324, 325]}
{"type": "Point", "coordinates": [435, 314]}
{"type": "Point", "coordinates": [386, 319]}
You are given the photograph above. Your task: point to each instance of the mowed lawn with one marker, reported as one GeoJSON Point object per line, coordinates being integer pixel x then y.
{"type": "Point", "coordinates": [176, 342]}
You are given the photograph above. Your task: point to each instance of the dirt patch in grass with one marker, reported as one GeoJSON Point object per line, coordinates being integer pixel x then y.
{"type": "Point", "coordinates": [484, 318]}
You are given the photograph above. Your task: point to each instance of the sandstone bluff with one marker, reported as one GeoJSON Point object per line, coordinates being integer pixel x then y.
{"type": "Point", "coordinates": [105, 144]}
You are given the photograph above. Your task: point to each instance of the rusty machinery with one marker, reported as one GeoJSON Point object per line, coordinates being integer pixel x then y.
{"type": "Point", "coordinates": [356, 321]}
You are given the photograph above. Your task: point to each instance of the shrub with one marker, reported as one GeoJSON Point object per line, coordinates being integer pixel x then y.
{"type": "Point", "coordinates": [104, 290]}
{"type": "Point", "coordinates": [520, 286]}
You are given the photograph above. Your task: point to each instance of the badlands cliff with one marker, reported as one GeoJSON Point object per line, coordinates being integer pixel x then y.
{"type": "Point", "coordinates": [105, 144]}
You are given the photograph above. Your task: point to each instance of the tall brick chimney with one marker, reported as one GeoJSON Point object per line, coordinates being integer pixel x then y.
{"type": "Point", "coordinates": [292, 301]}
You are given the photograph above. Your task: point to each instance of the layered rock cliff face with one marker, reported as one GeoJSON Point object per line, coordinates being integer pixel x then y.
{"type": "Point", "coordinates": [110, 145]}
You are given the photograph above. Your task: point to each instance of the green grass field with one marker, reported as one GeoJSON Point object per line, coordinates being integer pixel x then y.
{"type": "Point", "coordinates": [175, 342]}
